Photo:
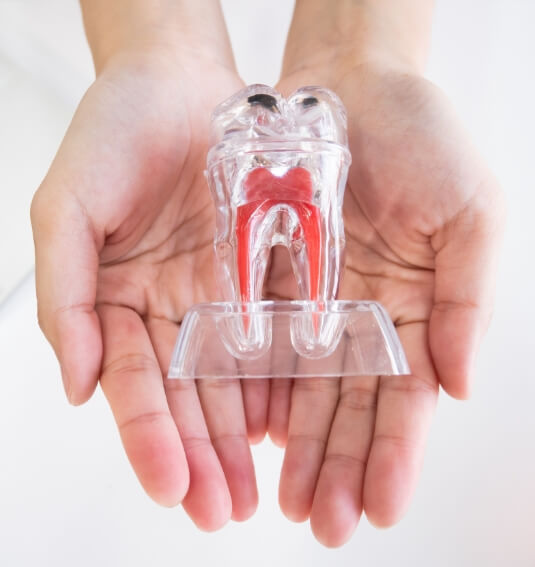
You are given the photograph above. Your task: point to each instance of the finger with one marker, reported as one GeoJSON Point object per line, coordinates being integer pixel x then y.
{"type": "Point", "coordinates": [255, 395]}
{"type": "Point", "coordinates": [208, 501]}
{"type": "Point", "coordinates": [66, 264]}
{"type": "Point", "coordinates": [222, 404]}
{"type": "Point", "coordinates": [132, 382]}
{"type": "Point", "coordinates": [279, 410]}
{"type": "Point", "coordinates": [466, 261]}
{"type": "Point", "coordinates": [313, 404]}
{"type": "Point", "coordinates": [283, 363]}
{"type": "Point", "coordinates": [337, 504]}
{"type": "Point", "coordinates": [255, 392]}
{"type": "Point", "coordinates": [405, 406]}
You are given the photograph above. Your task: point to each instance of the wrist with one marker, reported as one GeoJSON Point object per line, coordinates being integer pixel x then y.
{"type": "Point", "coordinates": [346, 34]}
{"type": "Point", "coordinates": [166, 30]}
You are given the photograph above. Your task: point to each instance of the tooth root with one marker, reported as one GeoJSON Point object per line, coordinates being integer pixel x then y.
{"type": "Point", "coordinates": [253, 248]}
{"type": "Point", "coordinates": [310, 223]}
{"type": "Point", "coordinates": [254, 245]}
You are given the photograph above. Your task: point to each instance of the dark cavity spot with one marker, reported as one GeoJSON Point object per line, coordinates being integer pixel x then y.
{"type": "Point", "coordinates": [310, 101]}
{"type": "Point", "coordinates": [265, 100]}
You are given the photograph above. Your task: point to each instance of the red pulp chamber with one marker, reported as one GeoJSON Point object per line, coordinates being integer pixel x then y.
{"type": "Point", "coordinates": [263, 191]}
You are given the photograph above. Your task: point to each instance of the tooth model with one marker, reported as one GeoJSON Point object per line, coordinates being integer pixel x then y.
{"type": "Point", "coordinates": [277, 172]}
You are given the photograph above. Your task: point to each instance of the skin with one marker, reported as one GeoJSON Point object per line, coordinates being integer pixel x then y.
{"type": "Point", "coordinates": [123, 227]}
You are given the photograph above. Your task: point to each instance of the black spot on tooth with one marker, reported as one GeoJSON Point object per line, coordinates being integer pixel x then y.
{"type": "Point", "coordinates": [309, 101]}
{"type": "Point", "coordinates": [265, 100]}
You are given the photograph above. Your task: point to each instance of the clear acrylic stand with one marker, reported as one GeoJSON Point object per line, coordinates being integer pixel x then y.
{"type": "Point", "coordinates": [272, 339]}
{"type": "Point", "coordinates": [277, 173]}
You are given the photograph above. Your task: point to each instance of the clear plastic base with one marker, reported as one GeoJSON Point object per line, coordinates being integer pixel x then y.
{"type": "Point", "coordinates": [287, 339]}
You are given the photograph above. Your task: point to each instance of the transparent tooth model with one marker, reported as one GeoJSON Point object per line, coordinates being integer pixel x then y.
{"type": "Point", "coordinates": [277, 173]}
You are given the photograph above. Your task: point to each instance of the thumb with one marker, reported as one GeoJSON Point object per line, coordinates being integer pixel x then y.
{"type": "Point", "coordinates": [467, 251]}
{"type": "Point", "coordinates": [66, 265]}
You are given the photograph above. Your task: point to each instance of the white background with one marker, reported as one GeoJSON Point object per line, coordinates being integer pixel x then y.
{"type": "Point", "coordinates": [67, 494]}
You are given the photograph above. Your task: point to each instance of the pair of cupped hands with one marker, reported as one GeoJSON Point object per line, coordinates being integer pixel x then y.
{"type": "Point", "coordinates": [124, 225]}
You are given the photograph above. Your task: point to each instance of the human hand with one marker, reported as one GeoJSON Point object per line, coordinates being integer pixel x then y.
{"type": "Point", "coordinates": [423, 218]}
{"type": "Point", "coordinates": [123, 229]}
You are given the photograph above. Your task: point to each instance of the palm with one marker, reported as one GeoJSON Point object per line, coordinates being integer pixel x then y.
{"type": "Point", "coordinates": [156, 257]}
{"type": "Point", "coordinates": [402, 189]}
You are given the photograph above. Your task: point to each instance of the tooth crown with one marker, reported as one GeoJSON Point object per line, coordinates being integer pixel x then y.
{"type": "Point", "coordinates": [258, 111]}
{"type": "Point", "coordinates": [277, 172]}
